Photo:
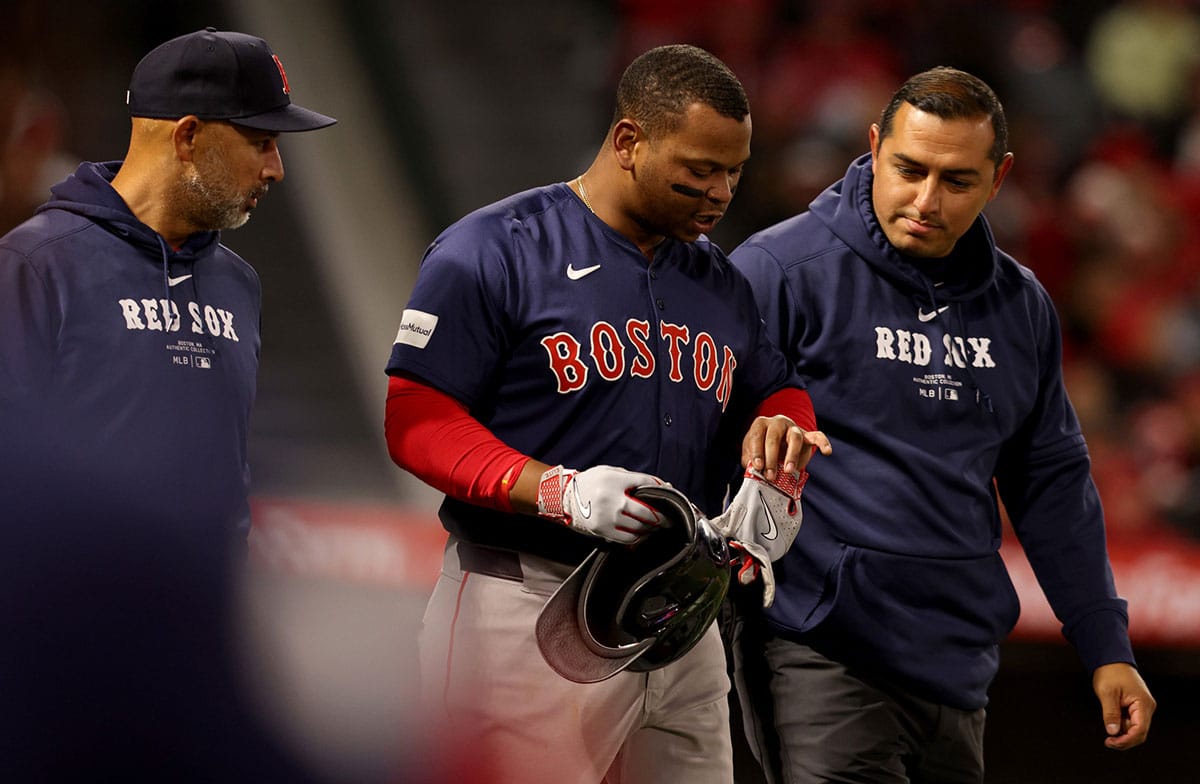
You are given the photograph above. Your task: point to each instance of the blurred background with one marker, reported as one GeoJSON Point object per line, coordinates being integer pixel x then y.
{"type": "Point", "coordinates": [446, 106]}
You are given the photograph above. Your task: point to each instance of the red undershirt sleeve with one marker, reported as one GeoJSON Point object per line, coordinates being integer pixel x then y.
{"type": "Point", "coordinates": [793, 403]}
{"type": "Point", "coordinates": [431, 435]}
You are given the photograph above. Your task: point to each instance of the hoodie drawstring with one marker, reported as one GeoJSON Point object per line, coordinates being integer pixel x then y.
{"type": "Point", "coordinates": [162, 249]}
{"type": "Point", "coordinates": [982, 398]}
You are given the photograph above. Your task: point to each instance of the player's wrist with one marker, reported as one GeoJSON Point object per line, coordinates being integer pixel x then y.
{"type": "Point", "coordinates": [551, 493]}
{"type": "Point", "coordinates": [788, 483]}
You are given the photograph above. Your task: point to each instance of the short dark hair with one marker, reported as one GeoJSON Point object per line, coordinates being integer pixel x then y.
{"type": "Point", "coordinates": [658, 87]}
{"type": "Point", "coordinates": [950, 94]}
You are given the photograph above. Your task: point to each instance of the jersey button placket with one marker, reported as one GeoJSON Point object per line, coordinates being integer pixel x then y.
{"type": "Point", "coordinates": [661, 304]}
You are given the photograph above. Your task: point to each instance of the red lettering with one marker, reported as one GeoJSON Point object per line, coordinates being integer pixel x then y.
{"type": "Point", "coordinates": [704, 358]}
{"type": "Point", "coordinates": [713, 365]}
{"type": "Point", "coordinates": [639, 334]}
{"type": "Point", "coordinates": [564, 361]}
{"type": "Point", "coordinates": [282, 74]}
{"type": "Point", "coordinates": [608, 352]}
{"type": "Point", "coordinates": [677, 337]}
{"type": "Point", "coordinates": [725, 388]}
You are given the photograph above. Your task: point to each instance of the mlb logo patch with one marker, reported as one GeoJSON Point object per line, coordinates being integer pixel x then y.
{"type": "Point", "coordinates": [202, 362]}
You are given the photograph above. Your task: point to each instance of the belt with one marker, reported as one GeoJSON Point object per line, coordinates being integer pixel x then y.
{"type": "Point", "coordinates": [491, 561]}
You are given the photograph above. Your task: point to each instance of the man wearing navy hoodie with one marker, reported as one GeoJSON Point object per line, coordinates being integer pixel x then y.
{"type": "Point", "coordinates": [933, 360]}
{"type": "Point", "coordinates": [129, 344]}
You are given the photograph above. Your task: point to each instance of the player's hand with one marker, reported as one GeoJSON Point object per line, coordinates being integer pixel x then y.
{"type": "Point", "coordinates": [774, 443]}
{"type": "Point", "coordinates": [598, 502]}
{"type": "Point", "coordinates": [1125, 703]}
{"type": "Point", "coordinates": [765, 513]}
{"type": "Point", "coordinates": [749, 562]}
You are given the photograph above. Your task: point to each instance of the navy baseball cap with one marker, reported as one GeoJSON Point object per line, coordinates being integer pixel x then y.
{"type": "Point", "coordinates": [218, 76]}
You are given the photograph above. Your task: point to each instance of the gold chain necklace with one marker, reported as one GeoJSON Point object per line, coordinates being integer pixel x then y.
{"type": "Point", "coordinates": [583, 194]}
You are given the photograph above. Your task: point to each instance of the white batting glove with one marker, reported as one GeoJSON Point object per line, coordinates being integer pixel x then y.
{"type": "Point", "coordinates": [765, 513]}
{"type": "Point", "coordinates": [749, 562]}
{"type": "Point", "coordinates": [598, 502]}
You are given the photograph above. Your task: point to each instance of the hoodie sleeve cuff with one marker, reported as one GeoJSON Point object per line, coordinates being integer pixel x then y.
{"type": "Point", "coordinates": [1102, 637]}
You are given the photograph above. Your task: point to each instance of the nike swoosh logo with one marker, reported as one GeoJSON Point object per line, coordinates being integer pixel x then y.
{"type": "Point", "coordinates": [771, 531]}
{"type": "Point", "coordinates": [923, 316]}
{"type": "Point", "coordinates": [585, 510]}
{"type": "Point", "coordinates": [576, 274]}
{"type": "Point", "coordinates": [176, 281]}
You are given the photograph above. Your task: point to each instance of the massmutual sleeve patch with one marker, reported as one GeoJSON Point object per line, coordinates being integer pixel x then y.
{"type": "Point", "coordinates": [416, 327]}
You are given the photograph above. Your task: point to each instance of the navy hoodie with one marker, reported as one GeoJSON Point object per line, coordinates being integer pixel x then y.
{"type": "Point", "coordinates": [127, 368]}
{"type": "Point", "coordinates": [928, 387]}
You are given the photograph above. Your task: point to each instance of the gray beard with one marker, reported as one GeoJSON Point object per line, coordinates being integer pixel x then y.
{"type": "Point", "coordinates": [207, 200]}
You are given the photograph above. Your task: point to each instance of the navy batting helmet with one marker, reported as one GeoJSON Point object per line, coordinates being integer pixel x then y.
{"type": "Point", "coordinates": [639, 607]}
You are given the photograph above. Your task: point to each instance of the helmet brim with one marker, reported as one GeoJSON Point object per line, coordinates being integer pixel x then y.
{"type": "Point", "coordinates": [563, 636]}
{"type": "Point", "coordinates": [580, 631]}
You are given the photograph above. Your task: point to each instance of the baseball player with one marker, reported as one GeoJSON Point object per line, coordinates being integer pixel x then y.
{"type": "Point", "coordinates": [562, 347]}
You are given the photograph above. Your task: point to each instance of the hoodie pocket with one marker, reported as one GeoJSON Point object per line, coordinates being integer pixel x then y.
{"type": "Point", "coordinates": [808, 579]}
{"type": "Point", "coordinates": [920, 602]}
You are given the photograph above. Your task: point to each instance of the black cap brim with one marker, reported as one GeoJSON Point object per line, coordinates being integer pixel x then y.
{"type": "Point", "coordinates": [560, 634]}
{"type": "Point", "coordinates": [288, 118]}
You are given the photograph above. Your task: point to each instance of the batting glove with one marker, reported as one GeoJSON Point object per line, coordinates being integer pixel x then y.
{"type": "Point", "coordinates": [765, 513]}
{"type": "Point", "coordinates": [598, 502]}
{"type": "Point", "coordinates": [749, 562]}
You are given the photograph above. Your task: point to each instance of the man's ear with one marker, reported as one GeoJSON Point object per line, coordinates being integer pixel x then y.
{"type": "Point", "coordinates": [183, 135]}
{"type": "Point", "coordinates": [626, 135]}
{"type": "Point", "coordinates": [1001, 171]}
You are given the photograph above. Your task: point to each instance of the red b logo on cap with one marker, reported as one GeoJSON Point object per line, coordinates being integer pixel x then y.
{"type": "Point", "coordinates": [283, 74]}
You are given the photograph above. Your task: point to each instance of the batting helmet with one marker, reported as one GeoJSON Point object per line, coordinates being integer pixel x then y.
{"type": "Point", "coordinates": [638, 607]}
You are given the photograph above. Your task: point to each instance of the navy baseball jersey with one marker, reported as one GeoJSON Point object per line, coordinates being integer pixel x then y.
{"type": "Point", "coordinates": [559, 336]}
